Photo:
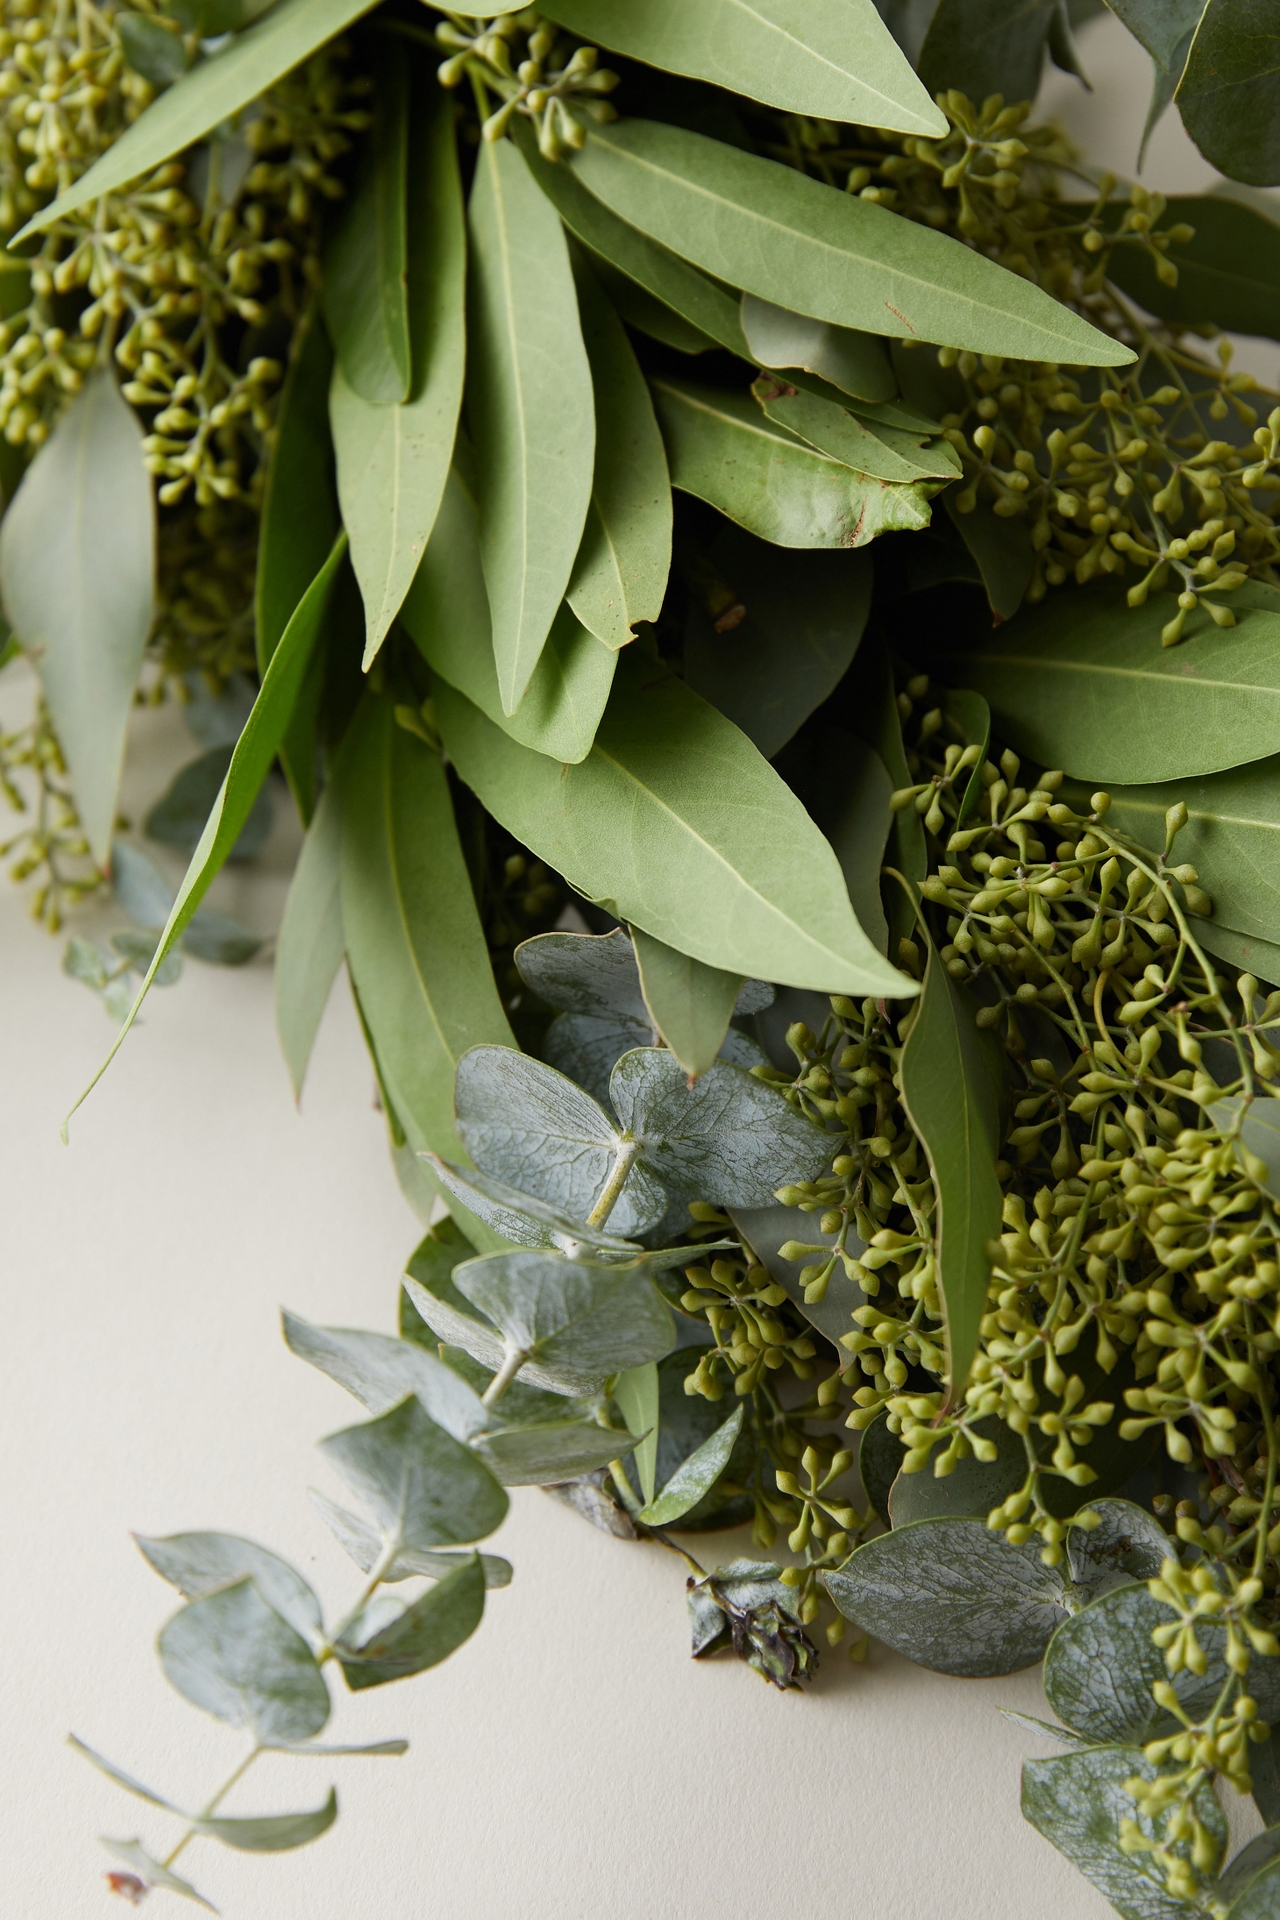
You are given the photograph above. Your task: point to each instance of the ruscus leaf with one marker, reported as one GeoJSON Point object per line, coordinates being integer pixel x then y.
{"type": "Point", "coordinates": [1229, 93]}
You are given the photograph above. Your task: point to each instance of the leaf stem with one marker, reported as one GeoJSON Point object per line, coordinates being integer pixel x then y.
{"type": "Point", "coordinates": [214, 1804]}
{"type": "Point", "coordinates": [511, 1365]}
{"type": "Point", "coordinates": [628, 1151]}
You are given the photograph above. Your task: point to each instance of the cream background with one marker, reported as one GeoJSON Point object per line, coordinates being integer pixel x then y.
{"type": "Point", "coordinates": [569, 1761]}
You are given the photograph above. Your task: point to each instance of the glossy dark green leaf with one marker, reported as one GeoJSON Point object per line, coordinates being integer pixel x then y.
{"type": "Point", "coordinates": [620, 575]}
{"type": "Point", "coordinates": [414, 941]}
{"type": "Point", "coordinates": [520, 1217]}
{"type": "Point", "coordinates": [1101, 1665]}
{"type": "Point", "coordinates": [789, 239]}
{"type": "Point", "coordinates": [969, 712]}
{"type": "Point", "coordinates": [152, 48]}
{"type": "Point", "coordinates": [178, 817]}
{"type": "Point", "coordinates": [1077, 1801]}
{"type": "Point", "coordinates": [691, 1004]}
{"type": "Point", "coordinates": [575, 1324]}
{"type": "Point", "coordinates": [987, 46]}
{"type": "Point", "coordinates": [1264, 1765]}
{"type": "Point", "coordinates": [638, 1394]}
{"type": "Point", "coordinates": [311, 942]}
{"type": "Point", "coordinates": [153, 1873]}
{"type": "Point", "coordinates": [77, 560]}
{"type": "Point", "coordinates": [1230, 270]}
{"type": "Point", "coordinates": [722, 449]}
{"type": "Point", "coordinates": [422, 1487]}
{"type": "Point", "coordinates": [728, 1138]}
{"type": "Point", "coordinates": [268, 1833]}
{"type": "Point", "coordinates": [380, 1370]}
{"type": "Point", "coordinates": [879, 1463]}
{"type": "Point", "coordinates": [836, 59]}
{"type": "Point", "coordinates": [696, 1476]}
{"type": "Point", "coordinates": [878, 452]}
{"type": "Point", "coordinates": [364, 287]}
{"type": "Point", "coordinates": [805, 615]}
{"type": "Point", "coordinates": [547, 1455]}
{"type": "Point", "coordinates": [694, 300]}
{"type": "Point", "coordinates": [951, 1101]}
{"type": "Point", "coordinates": [446, 613]}
{"type": "Point", "coordinates": [530, 410]}
{"type": "Point", "coordinates": [1082, 682]}
{"type": "Point", "coordinates": [855, 362]}
{"type": "Point", "coordinates": [1001, 549]}
{"type": "Point", "coordinates": [393, 460]}
{"type": "Point", "coordinates": [426, 1633]}
{"type": "Point", "coordinates": [199, 1563]}
{"type": "Point", "coordinates": [1229, 94]}
{"type": "Point", "coordinates": [1159, 25]}
{"type": "Point", "coordinates": [250, 764]}
{"type": "Point", "coordinates": [676, 822]}
{"type": "Point", "coordinates": [232, 1655]}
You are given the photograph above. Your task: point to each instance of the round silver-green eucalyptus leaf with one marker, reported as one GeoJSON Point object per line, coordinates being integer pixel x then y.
{"type": "Point", "coordinates": [575, 1323]}
{"type": "Point", "coordinates": [199, 1563]}
{"type": "Point", "coordinates": [422, 1487]}
{"type": "Point", "coordinates": [233, 1655]}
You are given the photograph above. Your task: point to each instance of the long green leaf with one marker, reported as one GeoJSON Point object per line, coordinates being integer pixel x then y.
{"type": "Point", "coordinates": [77, 559]}
{"type": "Point", "coordinates": [311, 944]}
{"type": "Point", "coordinates": [835, 59]}
{"type": "Point", "coordinates": [695, 1476]}
{"type": "Point", "coordinates": [1081, 682]}
{"type": "Point", "coordinates": [950, 1101]}
{"type": "Point", "coordinates": [364, 287]}
{"type": "Point", "coordinates": [620, 575]}
{"type": "Point", "coordinates": [882, 453]}
{"type": "Point", "coordinates": [530, 410]}
{"type": "Point", "coordinates": [776, 233]}
{"type": "Point", "coordinates": [1229, 93]}
{"type": "Point", "coordinates": [855, 362]}
{"type": "Point", "coordinates": [690, 1003]}
{"type": "Point", "coordinates": [250, 764]}
{"type": "Point", "coordinates": [211, 92]}
{"type": "Point", "coordinates": [446, 612]}
{"type": "Point", "coordinates": [677, 822]}
{"type": "Point", "coordinates": [414, 941]}
{"type": "Point", "coordinates": [637, 1395]}
{"type": "Point", "coordinates": [393, 461]}
{"type": "Point", "coordinates": [1230, 269]}
{"type": "Point", "coordinates": [1002, 549]}
{"type": "Point", "coordinates": [721, 448]}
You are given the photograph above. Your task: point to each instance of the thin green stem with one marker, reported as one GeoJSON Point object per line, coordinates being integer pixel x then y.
{"type": "Point", "coordinates": [213, 1805]}
{"type": "Point", "coordinates": [511, 1365]}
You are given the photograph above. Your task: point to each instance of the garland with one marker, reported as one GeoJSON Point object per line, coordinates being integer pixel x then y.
{"type": "Point", "coordinates": [979, 1168]}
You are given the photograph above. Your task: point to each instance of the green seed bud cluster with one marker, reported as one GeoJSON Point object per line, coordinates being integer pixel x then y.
{"type": "Point", "coordinates": [520, 63]}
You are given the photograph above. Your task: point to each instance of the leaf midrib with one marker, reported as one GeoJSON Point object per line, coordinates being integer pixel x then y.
{"type": "Point", "coordinates": [1189, 683]}
{"type": "Point", "coordinates": [811, 53]}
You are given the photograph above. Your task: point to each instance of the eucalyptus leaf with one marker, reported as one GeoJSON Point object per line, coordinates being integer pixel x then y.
{"type": "Point", "coordinates": [521, 1217]}
{"type": "Point", "coordinates": [364, 286]}
{"type": "Point", "coordinates": [638, 1394]}
{"type": "Point", "coordinates": [424, 1634]}
{"type": "Point", "coordinates": [847, 788]}
{"type": "Point", "coordinates": [422, 1487]}
{"type": "Point", "coordinates": [1101, 1665]}
{"type": "Point", "coordinates": [122, 1779]}
{"type": "Point", "coordinates": [982, 47]}
{"type": "Point", "coordinates": [835, 59]}
{"type": "Point", "coordinates": [529, 404]}
{"type": "Point", "coordinates": [855, 362]}
{"type": "Point", "coordinates": [269, 1833]}
{"type": "Point", "coordinates": [805, 615]}
{"type": "Point", "coordinates": [1229, 93]}
{"type": "Point", "coordinates": [385, 1749]}
{"type": "Point", "coordinates": [544, 1455]}
{"type": "Point", "coordinates": [1252, 1861]}
{"type": "Point", "coordinates": [380, 1371]}
{"type": "Point", "coordinates": [393, 460]}
{"type": "Point", "coordinates": [153, 1873]}
{"type": "Point", "coordinates": [414, 941]}
{"type": "Point", "coordinates": [199, 1563]}
{"type": "Point", "coordinates": [311, 942]}
{"type": "Point", "coordinates": [446, 614]}
{"type": "Point", "coordinates": [1265, 1769]}
{"type": "Point", "coordinates": [364, 1545]}
{"type": "Point", "coordinates": [789, 239]}
{"type": "Point", "coordinates": [77, 563]}
{"type": "Point", "coordinates": [768, 1229]}
{"type": "Point", "coordinates": [723, 1138]}
{"type": "Point", "coordinates": [689, 1003]}
{"type": "Point", "coordinates": [620, 575]}
{"type": "Point", "coordinates": [1081, 682]}
{"type": "Point", "coordinates": [250, 764]}
{"type": "Point", "coordinates": [951, 1101]}
{"type": "Point", "coordinates": [217, 939]}
{"type": "Point", "coordinates": [696, 1476]}
{"type": "Point", "coordinates": [974, 1486]}
{"type": "Point", "coordinates": [575, 1324]}
{"type": "Point", "coordinates": [1041, 1729]}
{"type": "Point", "coordinates": [138, 949]}
{"type": "Point", "coordinates": [1077, 1801]}
{"type": "Point", "coordinates": [584, 973]}
{"type": "Point", "coordinates": [139, 886]}
{"type": "Point", "coordinates": [232, 1654]}
{"type": "Point", "coordinates": [179, 816]}
{"type": "Point", "coordinates": [1255, 1125]}
{"type": "Point", "coordinates": [881, 453]}
{"type": "Point", "coordinates": [1243, 951]}
{"type": "Point", "coordinates": [720, 859]}
{"type": "Point", "coordinates": [211, 92]}
{"type": "Point", "coordinates": [722, 449]}
{"type": "Point", "coordinates": [531, 1127]}
{"type": "Point", "coordinates": [218, 719]}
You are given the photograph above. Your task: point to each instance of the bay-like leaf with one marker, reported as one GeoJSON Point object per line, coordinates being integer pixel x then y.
{"type": "Point", "coordinates": [805, 615]}
{"type": "Point", "coordinates": [211, 92]}
{"type": "Point", "coordinates": [530, 410]}
{"type": "Point", "coordinates": [696, 1476]}
{"type": "Point", "coordinates": [1229, 93]}
{"type": "Point", "coordinates": [847, 790]}
{"type": "Point", "coordinates": [268, 1833]}
{"type": "Point", "coordinates": [676, 822]}
{"type": "Point", "coordinates": [153, 1873]}
{"type": "Point", "coordinates": [832, 58]}
{"type": "Point", "coordinates": [1230, 268]}
{"type": "Point", "coordinates": [1077, 1801]}
{"type": "Point", "coordinates": [951, 1101]}
{"type": "Point", "coordinates": [982, 47]}
{"type": "Point", "coordinates": [574, 1323]}
{"type": "Point", "coordinates": [393, 460]}
{"type": "Point", "coordinates": [789, 239]}
{"type": "Point", "coordinates": [620, 575]}
{"type": "Point", "coordinates": [522, 1218]}
{"type": "Point", "coordinates": [855, 362]}
{"type": "Point", "coordinates": [199, 1563]}
{"type": "Point", "coordinates": [1081, 682]}
{"type": "Point", "coordinates": [881, 453]}
{"type": "Point", "coordinates": [426, 1633]}
{"type": "Point", "coordinates": [722, 449]}
{"type": "Point", "coordinates": [414, 942]}
{"type": "Point", "coordinates": [1243, 951]}
{"type": "Point", "coordinates": [381, 1370]}
{"type": "Point", "coordinates": [77, 573]}
{"type": "Point", "coordinates": [691, 1004]}
{"type": "Point", "coordinates": [311, 941]}
{"type": "Point", "coordinates": [546, 1455]}
{"type": "Point", "coordinates": [446, 613]}
{"type": "Point", "coordinates": [422, 1487]}
{"type": "Point", "coordinates": [250, 763]}
{"type": "Point", "coordinates": [364, 287]}
{"type": "Point", "coordinates": [232, 1654]}
{"type": "Point", "coordinates": [638, 1394]}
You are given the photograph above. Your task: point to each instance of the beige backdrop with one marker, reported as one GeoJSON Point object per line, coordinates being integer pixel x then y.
{"type": "Point", "coordinates": [569, 1763]}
